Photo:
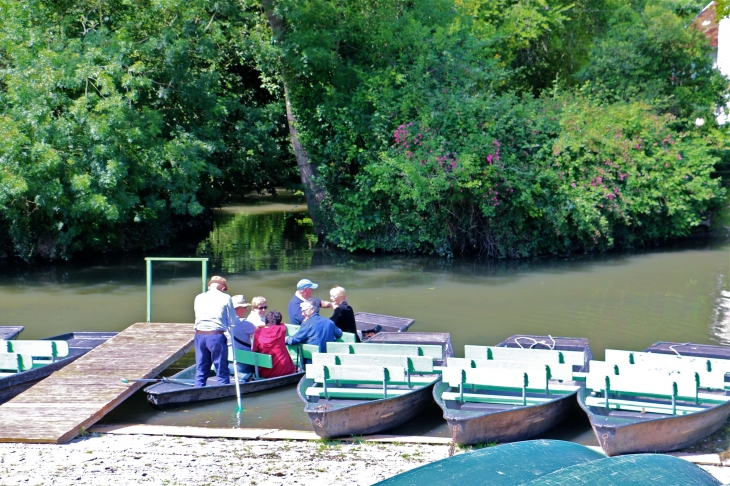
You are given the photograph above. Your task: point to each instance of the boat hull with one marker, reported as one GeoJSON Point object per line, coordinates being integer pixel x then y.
{"type": "Point", "coordinates": [520, 423]}
{"type": "Point", "coordinates": [632, 432]}
{"type": "Point", "coordinates": [363, 417]}
{"type": "Point", "coordinates": [168, 395]}
{"type": "Point", "coordinates": [80, 343]}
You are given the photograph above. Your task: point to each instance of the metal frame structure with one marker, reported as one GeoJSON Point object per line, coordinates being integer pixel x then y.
{"type": "Point", "coordinates": [149, 260]}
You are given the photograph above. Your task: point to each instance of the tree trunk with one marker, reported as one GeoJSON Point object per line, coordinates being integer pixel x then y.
{"type": "Point", "coordinates": [307, 171]}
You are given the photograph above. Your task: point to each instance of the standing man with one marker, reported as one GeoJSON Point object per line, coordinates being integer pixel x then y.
{"type": "Point", "coordinates": [316, 329]}
{"type": "Point", "coordinates": [214, 315]}
{"type": "Point", "coordinates": [304, 292]}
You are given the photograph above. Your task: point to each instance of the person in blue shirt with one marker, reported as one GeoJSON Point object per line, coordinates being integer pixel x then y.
{"type": "Point", "coordinates": [316, 330]}
{"type": "Point", "coordinates": [304, 292]}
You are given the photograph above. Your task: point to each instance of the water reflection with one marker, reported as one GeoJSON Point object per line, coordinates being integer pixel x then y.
{"type": "Point", "coordinates": [282, 241]}
{"type": "Point", "coordinates": [619, 300]}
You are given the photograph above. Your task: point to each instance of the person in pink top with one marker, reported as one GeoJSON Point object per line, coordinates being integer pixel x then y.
{"type": "Point", "coordinates": [270, 340]}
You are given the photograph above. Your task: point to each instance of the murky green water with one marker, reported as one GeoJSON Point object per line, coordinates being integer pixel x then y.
{"type": "Point", "coordinates": [627, 300]}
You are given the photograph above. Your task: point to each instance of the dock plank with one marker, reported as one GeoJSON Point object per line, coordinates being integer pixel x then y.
{"type": "Point", "coordinates": [56, 409]}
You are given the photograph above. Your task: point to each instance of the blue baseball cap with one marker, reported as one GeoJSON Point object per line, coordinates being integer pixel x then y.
{"type": "Point", "coordinates": [305, 283]}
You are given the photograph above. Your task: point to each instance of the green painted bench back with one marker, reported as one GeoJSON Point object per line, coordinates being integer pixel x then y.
{"type": "Point", "coordinates": [533, 378]}
{"type": "Point", "coordinates": [37, 349]}
{"type": "Point", "coordinates": [292, 329]}
{"type": "Point", "coordinates": [711, 372]}
{"type": "Point", "coordinates": [416, 364]}
{"type": "Point", "coordinates": [15, 363]}
{"type": "Point", "coordinates": [251, 358]}
{"type": "Point", "coordinates": [430, 350]}
{"type": "Point", "coordinates": [362, 374]}
{"type": "Point", "coordinates": [641, 382]}
{"type": "Point", "coordinates": [547, 356]}
{"type": "Point", "coordinates": [556, 371]}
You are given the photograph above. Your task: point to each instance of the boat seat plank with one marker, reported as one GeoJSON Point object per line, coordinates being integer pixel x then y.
{"type": "Point", "coordinates": [357, 393]}
{"type": "Point", "coordinates": [500, 399]}
{"type": "Point", "coordinates": [573, 358]}
{"type": "Point", "coordinates": [15, 362]}
{"type": "Point", "coordinates": [361, 374]}
{"type": "Point", "coordinates": [642, 382]}
{"type": "Point", "coordinates": [639, 406]}
{"type": "Point", "coordinates": [430, 350]}
{"type": "Point", "coordinates": [251, 358]}
{"type": "Point", "coordinates": [556, 371]}
{"type": "Point", "coordinates": [37, 349]}
{"type": "Point", "coordinates": [508, 378]}
{"type": "Point", "coordinates": [711, 372]}
{"type": "Point", "coordinates": [416, 364]}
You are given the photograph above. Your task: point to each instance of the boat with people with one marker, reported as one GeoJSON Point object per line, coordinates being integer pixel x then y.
{"type": "Point", "coordinates": [24, 363]}
{"type": "Point", "coordinates": [665, 398]}
{"type": "Point", "coordinates": [513, 391]}
{"type": "Point", "coordinates": [179, 389]}
{"type": "Point", "coordinates": [366, 388]}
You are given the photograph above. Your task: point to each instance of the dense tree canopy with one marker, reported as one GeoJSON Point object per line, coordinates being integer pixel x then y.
{"type": "Point", "coordinates": [499, 127]}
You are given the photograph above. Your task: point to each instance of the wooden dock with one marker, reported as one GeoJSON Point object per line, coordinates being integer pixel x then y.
{"type": "Point", "coordinates": [72, 399]}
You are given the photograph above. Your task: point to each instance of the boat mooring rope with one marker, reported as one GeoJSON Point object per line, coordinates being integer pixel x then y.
{"type": "Point", "coordinates": [671, 348]}
{"type": "Point", "coordinates": [452, 446]}
{"type": "Point", "coordinates": [324, 408]}
{"type": "Point", "coordinates": [535, 342]}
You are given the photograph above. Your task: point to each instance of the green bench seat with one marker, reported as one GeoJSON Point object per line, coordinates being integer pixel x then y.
{"type": "Point", "coordinates": [429, 350]}
{"type": "Point", "coordinates": [627, 387]}
{"type": "Point", "coordinates": [547, 356]}
{"type": "Point", "coordinates": [333, 377]}
{"type": "Point", "coordinates": [41, 351]}
{"type": "Point", "coordinates": [496, 399]}
{"type": "Point", "coordinates": [556, 371]}
{"type": "Point", "coordinates": [257, 360]}
{"type": "Point", "coordinates": [531, 378]}
{"type": "Point", "coordinates": [711, 372]}
{"type": "Point", "coordinates": [416, 364]}
{"type": "Point", "coordinates": [11, 363]}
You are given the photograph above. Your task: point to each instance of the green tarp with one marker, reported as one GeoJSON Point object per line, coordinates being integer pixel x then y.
{"type": "Point", "coordinates": [553, 463]}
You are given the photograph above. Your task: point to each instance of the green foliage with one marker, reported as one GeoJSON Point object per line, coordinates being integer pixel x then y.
{"type": "Point", "coordinates": [123, 120]}
{"type": "Point", "coordinates": [427, 141]}
{"type": "Point", "coordinates": [559, 175]}
{"type": "Point", "coordinates": [651, 55]}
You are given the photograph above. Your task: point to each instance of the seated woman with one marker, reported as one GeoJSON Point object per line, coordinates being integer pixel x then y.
{"type": "Point", "coordinates": [270, 340]}
{"type": "Point", "coordinates": [343, 316]}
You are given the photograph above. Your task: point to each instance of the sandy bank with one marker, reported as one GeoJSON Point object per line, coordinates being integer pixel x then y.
{"type": "Point", "coordinates": [141, 459]}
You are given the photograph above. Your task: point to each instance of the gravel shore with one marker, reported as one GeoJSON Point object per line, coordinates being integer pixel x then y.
{"type": "Point", "coordinates": [141, 459]}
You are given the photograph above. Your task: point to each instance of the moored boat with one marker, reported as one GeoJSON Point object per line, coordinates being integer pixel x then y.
{"type": "Point", "coordinates": [652, 401]}
{"type": "Point", "coordinates": [369, 325]}
{"type": "Point", "coordinates": [10, 332]}
{"type": "Point", "coordinates": [512, 391]}
{"type": "Point", "coordinates": [46, 356]}
{"type": "Point", "coordinates": [366, 388]}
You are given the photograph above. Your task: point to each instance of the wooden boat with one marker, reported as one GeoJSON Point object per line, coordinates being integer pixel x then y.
{"type": "Point", "coordinates": [77, 343]}
{"type": "Point", "coordinates": [365, 388]}
{"type": "Point", "coordinates": [10, 332]}
{"type": "Point", "coordinates": [552, 462]}
{"type": "Point", "coordinates": [369, 325]}
{"type": "Point", "coordinates": [180, 390]}
{"type": "Point", "coordinates": [513, 391]}
{"type": "Point", "coordinates": [665, 398]}
{"type": "Point", "coordinates": [442, 339]}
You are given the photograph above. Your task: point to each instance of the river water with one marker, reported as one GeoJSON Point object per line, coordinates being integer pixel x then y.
{"type": "Point", "coordinates": [623, 300]}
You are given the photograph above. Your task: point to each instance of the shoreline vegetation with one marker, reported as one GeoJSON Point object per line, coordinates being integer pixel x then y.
{"type": "Point", "coordinates": [496, 128]}
{"type": "Point", "coordinates": [142, 459]}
